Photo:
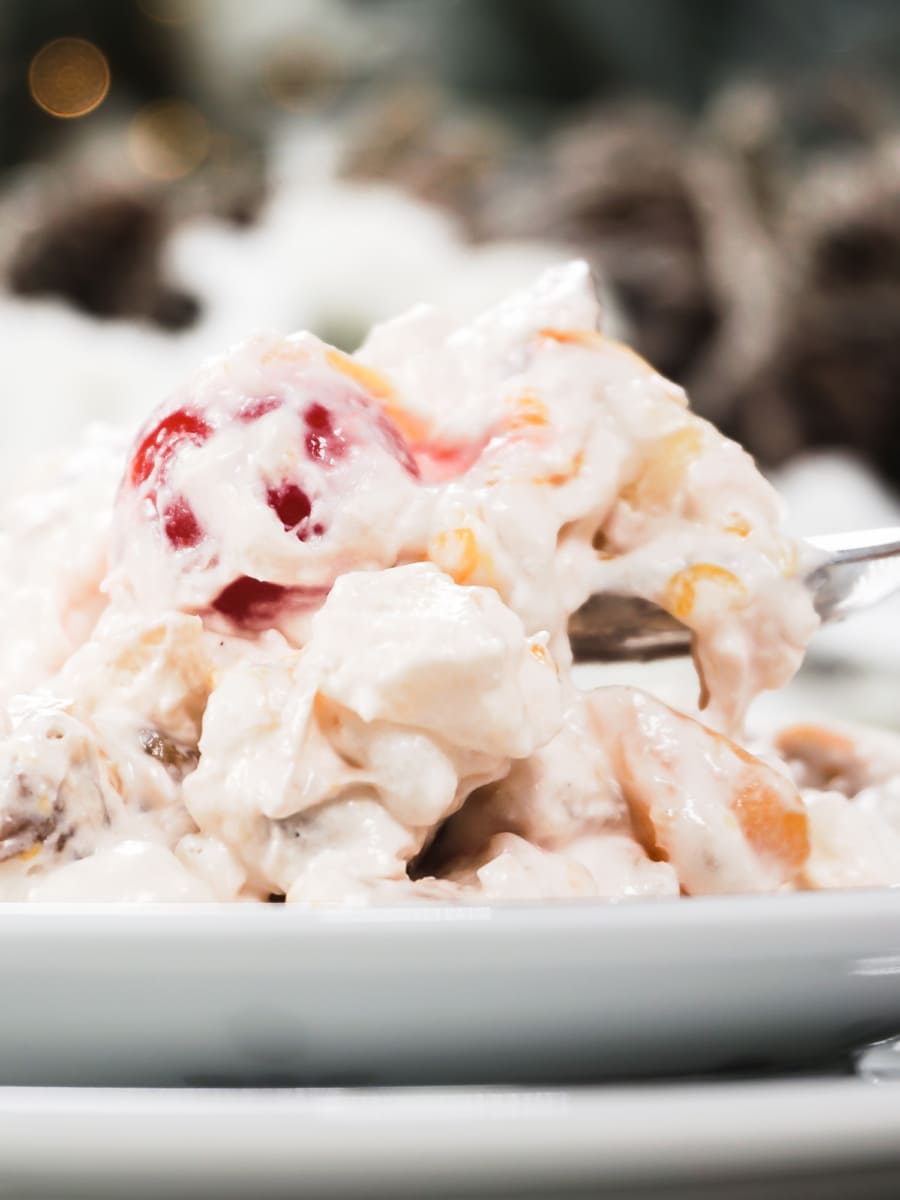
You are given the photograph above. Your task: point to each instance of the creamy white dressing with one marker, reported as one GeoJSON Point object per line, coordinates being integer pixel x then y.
{"type": "Point", "coordinates": [54, 535]}
{"type": "Point", "coordinates": [307, 638]}
{"type": "Point", "coordinates": [337, 762]}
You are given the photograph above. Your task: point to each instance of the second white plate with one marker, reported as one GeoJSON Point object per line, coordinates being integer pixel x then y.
{"type": "Point", "coordinates": [820, 1138]}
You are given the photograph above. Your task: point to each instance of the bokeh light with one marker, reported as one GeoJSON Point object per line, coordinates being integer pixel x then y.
{"type": "Point", "coordinates": [69, 77]}
{"type": "Point", "coordinates": [168, 140]}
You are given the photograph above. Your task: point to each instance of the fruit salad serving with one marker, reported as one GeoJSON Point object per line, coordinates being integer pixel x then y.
{"type": "Point", "coordinates": [305, 638]}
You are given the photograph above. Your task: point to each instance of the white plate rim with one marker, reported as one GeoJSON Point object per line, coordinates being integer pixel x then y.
{"type": "Point", "coordinates": [457, 1135]}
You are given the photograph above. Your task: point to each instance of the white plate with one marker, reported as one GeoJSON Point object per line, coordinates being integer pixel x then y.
{"type": "Point", "coordinates": [270, 994]}
{"type": "Point", "coordinates": [822, 1138]}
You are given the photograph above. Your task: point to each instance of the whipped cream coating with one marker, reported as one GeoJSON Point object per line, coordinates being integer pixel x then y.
{"type": "Point", "coordinates": [53, 557]}
{"type": "Point", "coordinates": [306, 638]}
{"type": "Point", "coordinates": [332, 766]}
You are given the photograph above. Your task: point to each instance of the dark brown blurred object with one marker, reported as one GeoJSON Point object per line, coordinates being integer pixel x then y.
{"type": "Point", "coordinates": [765, 282]}
{"type": "Point", "coordinates": [409, 137]}
{"type": "Point", "coordinates": [668, 220]}
{"type": "Point", "coordinates": [102, 255]}
{"type": "Point", "coordinates": [831, 379]}
{"type": "Point", "coordinates": [619, 188]}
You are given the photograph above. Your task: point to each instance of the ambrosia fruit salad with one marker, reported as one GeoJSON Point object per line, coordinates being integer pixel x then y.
{"type": "Point", "coordinates": [306, 637]}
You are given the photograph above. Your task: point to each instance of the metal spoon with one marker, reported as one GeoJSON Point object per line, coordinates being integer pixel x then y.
{"type": "Point", "coordinates": [853, 572]}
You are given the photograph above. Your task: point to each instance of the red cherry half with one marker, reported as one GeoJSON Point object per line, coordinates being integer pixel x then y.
{"type": "Point", "coordinates": [292, 506]}
{"type": "Point", "coordinates": [249, 601]}
{"type": "Point", "coordinates": [252, 410]}
{"type": "Point", "coordinates": [157, 447]}
{"type": "Point", "coordinates": [181, 525]}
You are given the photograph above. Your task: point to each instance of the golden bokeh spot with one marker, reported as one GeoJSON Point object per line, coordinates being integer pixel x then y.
{"type": "Point", "coordinates": [69, 77]}
{"type": "Point", "coordinates": [168, 139]}
{"type": "Point", "coordinates": [30, 853]}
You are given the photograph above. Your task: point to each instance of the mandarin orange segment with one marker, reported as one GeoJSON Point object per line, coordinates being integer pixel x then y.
{"type": "Point", "coordinates": [528, 412]}
{"type": "Point", "coordinates": [593, 339]}
{"type": "Point", "coordinates": [457, 552]}
{"type": "Point", "coordinates": [367, 377]}
{"type": "Point", "coordinates": [589, 338]}
{"type": "Point", "coordinates": [328, 714]}
{"type": "Point", "coordinates": [775, 826]}
{"type": "Point", "coordinates": [691, 812]}
{"type": "Point", "coordinates": [558, 478]}
{"type": "Point", "coordinates": [681, 591]}
{"type": "Point", "coordinates": [803, 739]}
{"type": "Point", "coordinates": [740, 527]}
{"type": "Point", "coordinates": [413, 428]}
{"type": "Point", "coordinates": [830, 753]}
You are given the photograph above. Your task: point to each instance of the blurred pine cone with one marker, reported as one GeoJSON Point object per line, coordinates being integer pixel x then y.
{"type": "Point", "coordinates": [101, 254]}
